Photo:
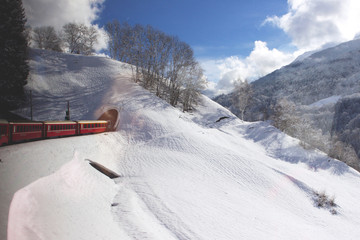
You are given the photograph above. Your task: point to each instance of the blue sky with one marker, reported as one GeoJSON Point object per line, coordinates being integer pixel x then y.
{"type": "Point", "coordinates": [214, 28]}
{"type": "Point", "coordinates": [232, 39]}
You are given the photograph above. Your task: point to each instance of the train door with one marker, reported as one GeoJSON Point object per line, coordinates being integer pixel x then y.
{"type": "Point", "coordinates": [4, 134]}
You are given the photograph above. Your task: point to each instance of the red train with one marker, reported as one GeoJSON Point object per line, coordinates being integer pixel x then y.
{"type": "Point", "coordinates": [14, 132]}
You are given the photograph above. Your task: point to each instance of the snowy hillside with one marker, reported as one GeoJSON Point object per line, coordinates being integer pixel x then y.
{"type": "Point", "coordinates": [182, 175]}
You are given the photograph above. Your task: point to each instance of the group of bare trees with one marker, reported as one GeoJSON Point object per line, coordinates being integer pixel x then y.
{"type": "Point", "coordinates": [242, 96]}
{"type": "Point", "coordinates": [74, 38]}
{"type": "Point", "coordinates": [161, 63]}
{"type": "Point", "coordinates": [289, 121]}
{"type": "Point", "coordinates": [286, 117]}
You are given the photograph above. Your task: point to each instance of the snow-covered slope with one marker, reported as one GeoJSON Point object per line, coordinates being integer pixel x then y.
{"type": "Point", "coordinates": [182, 175]}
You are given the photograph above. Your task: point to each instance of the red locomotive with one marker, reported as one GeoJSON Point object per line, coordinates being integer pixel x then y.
{"type": "Point", "coordinates": [13, 132]}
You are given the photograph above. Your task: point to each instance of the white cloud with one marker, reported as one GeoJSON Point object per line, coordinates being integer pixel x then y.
{"type": "Point", "coordinates": [313, 24]}
{"type": "Point", "coordinates": [57, 13]}
{"type": "Point", "coordinates": [260, 62]}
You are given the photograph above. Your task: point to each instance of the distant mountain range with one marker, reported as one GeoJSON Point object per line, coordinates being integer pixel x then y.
{"type": "Point", "coordinates": [323, 85]}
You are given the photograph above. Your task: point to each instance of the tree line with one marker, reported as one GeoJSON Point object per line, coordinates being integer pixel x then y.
{"type": "Point", "coordinates": [161, 63]}
{"type": "Point", "coordinates": [74, 38]}
{"type": "Point", "coordinates": [14, 69]}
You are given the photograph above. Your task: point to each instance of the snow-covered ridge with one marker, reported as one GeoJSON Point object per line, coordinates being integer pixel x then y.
{"type": "Point", "coordinates": [183, 175]}
{"type": "Point", "coordinates": [326, 101]}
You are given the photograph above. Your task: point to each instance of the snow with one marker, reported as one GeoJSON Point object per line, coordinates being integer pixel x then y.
{"type": "Point", "coordinates": [182, 175]}
{"type": "Point", "coordinates": [326, 101]}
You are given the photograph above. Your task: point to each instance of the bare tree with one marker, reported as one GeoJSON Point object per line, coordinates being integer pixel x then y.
{"type": "Point", "coordinates": [92, 39]}
{"type": "Point", "coordinates": [345, 153]}
{"type": "Point", "coordinates": [242, 96]}
{"type": "Point", "coordinates": [194, 83]}
{"type": "Point", "coordinates": [79, 38]}
{"type": "Point", "coordinates": [46, 38]}
{"type": "Point", "coordinates": [284, 117]}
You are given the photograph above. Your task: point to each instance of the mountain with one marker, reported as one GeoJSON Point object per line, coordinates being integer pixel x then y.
{"type": "Point", "coordinates": [195, 175]}
{"type": "Point", "coordinates": [315, 83]}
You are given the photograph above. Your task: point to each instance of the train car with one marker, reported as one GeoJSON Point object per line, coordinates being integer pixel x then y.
{"type": "Point", "coordinates": [59, 128]}
{"type": "Point", "coordinates": [24, 131]}
{"type": "Point", "coordinates": [96, 126]}
{"type": "Point", "coordinates": [4, 132]}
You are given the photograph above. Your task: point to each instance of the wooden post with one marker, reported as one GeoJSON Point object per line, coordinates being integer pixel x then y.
{"type": "Point", "coordinates": [31, 106]}
{"type": "Point", "coordinates": [67, 116]}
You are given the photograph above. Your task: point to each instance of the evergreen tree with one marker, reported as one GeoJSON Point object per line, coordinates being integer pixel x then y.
{"type": "Point", "coordinates": [13, 54]}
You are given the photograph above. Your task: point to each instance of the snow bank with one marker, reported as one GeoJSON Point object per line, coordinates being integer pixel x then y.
{"type": "Point", "coordinates": [73, 203]}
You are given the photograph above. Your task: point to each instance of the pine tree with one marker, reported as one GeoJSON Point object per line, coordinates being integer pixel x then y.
{"type": "Point", "coordinates": [14, 69]}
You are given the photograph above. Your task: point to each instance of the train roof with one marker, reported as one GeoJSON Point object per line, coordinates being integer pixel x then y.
{"type": "Point", "coordinates": [92, 121]}
{"type": "Point", "coordinates": [59, 122]}
{"type": "Point", "coordinates": [26, 122]}
{"type": "Point", "coordinates": [3, 121]}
